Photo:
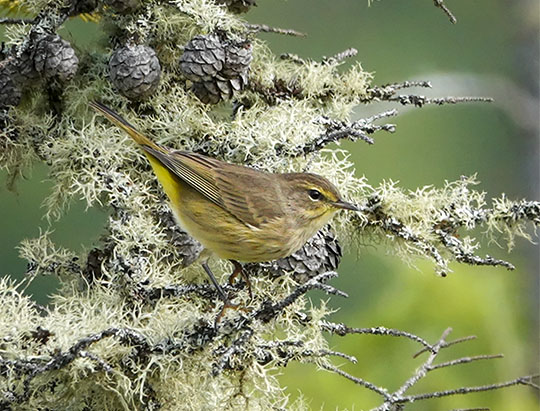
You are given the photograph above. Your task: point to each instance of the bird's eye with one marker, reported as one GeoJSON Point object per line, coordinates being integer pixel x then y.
{"type": "Point", "coordinates": [315, 195]}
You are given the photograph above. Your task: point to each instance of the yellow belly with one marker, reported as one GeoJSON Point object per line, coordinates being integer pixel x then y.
{"type": "Point", "coordinates": [225, 235]}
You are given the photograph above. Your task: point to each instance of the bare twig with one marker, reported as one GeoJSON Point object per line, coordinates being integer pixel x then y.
{"type": "Point", "coordinates": [330, 290]}
{"type": "Point", "coordinates": [356, 380]}
{"type": "Point", "coordinates": [396, 399]}
{"type": "Point", "coordinates": [294, 58]}
{"type": "Point", "coordinates": [388, 92]}
{"type": "Point", "coordinates": [471, 409]}
{"type": "Point", "coordinates": [407, 84]}
{"type": "Point", "coordinates": [420, 101]}
{"type": "Point", "coordinates": [526, 380]}
{"type": "Point", "coordinates": [10, 20]}
{"type": "Point", "coordinates": [337, 354]}
{"type": "Point", "coordinates": [424, 368]}
{"type": "Point", "coordinates": [448, 344]}
{"type": "Point", "coordinates": [464, 360]}
{"type": "Point", "coordinates": [342, 330]}
{"type": "Point", "coordinates": [440, 4]}
{"type": "Point", "coordinates": [345, 54]}
{"type": "Point", "coordinates": [256, 28]}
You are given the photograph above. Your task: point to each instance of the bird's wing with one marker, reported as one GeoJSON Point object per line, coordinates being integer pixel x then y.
{"type": "Point", "coordinates": [227, 185]}
{"type": "Point", "coordinates": [224, 184]}
{"type": "Point", "coordinates": [248, 194]}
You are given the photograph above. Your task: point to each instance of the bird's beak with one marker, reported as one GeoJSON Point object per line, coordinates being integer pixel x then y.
{"type": "Point", "coordinates": [345, 206]}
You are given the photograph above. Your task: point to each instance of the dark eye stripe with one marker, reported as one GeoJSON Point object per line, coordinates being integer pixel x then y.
{"type": "Point", "coordinates": [315, 195]}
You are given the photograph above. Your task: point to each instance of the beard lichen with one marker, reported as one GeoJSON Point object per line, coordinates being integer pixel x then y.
{"type": "Point", "coordinates": [131, 326]}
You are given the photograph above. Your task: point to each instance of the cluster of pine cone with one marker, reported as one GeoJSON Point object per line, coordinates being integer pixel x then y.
{"type": "Point", "coordinates": [216, 65]}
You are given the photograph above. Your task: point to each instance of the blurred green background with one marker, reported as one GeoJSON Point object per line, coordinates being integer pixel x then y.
{"type": "Point", "coordinates": [492, 51]}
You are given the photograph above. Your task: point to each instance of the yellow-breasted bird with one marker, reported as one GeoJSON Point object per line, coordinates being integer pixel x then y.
{"type": "Point", "coordinates": [236, 212]}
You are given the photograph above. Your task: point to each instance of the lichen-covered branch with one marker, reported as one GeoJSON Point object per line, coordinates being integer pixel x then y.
{"type": "Point", "coordinates": [133, 322]}
{"type": "Point", "coordinates": [445, 215]}
{"type": "Point", "coordinates": [342, 330]}
{"type": "Point", "coordinates": [339, 130]}
{"type": "Point", "coordinates": [388, 92]}
{"type": "Point", "coordinates": [267, 29]}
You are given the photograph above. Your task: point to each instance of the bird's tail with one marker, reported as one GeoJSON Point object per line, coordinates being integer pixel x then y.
{"type": "Point", "coordinates": [115, 118]}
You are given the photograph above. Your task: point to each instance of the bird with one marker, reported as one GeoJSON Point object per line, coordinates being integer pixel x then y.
{"type": "Point", "coordinates": [236, 212]}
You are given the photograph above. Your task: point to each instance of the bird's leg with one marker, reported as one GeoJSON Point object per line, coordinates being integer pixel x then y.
{"type": "Point", "coordinates": [239, 270]}
{"type": "Point", "coordinates": [220, 291]}
{"type": "Point", "coordinates": [226, 302]}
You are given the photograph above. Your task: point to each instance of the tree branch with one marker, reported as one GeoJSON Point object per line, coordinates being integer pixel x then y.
{"type": "Point", "coordinates": [440, 4]}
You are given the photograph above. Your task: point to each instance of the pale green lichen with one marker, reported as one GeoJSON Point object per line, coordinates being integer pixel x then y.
{"type": "Point", "coordinates": [433, 222]}
{"type": "Point", "coordinates": [109, 289]}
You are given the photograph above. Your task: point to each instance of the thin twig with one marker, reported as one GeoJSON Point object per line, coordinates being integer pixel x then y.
{"type": "Point", "coordinates": [526, 380]}
{"type": "Point", "coordinates": [342, 330]}
{"type": "Point", "coordinates": [267, 29]}
{"type": "Point", "coordinates": [471, 409]}
{"type": "Point", "coordinates": [356, 380]}
{"type": "Point", "coordinates": [294, 58]}
{"type": "Point", "coordinates": [440, 4]}
{"type": "Point", "coordinates": [424, 368]}
{"type": "Point", "coordinates": [457, 248]}
{"type": "Point", "coordinates": [269, 310]}
{"type": "Point", "coordinates": [337, 130]}
{"type": "Point", "coordinates": [408, 84]}
{"type": "Point", "coordinates": [330, 290]}
{"type": "Point", "coordinates": [448, 344]}
{"type": "Point", "coordinates": [420, 101]}
{"type": "Point", "coordinates": [388, 92]}
{"type": "Point", "coordinates": [464, 360]}
{"type": "Point", "coordinates": [397, 398]}
{"type": "Point", "coordinates": [338, 354]}
{"type": "Point", "coordinates": [11, 20]}
{"type": "Point", "coordinates": [345, 54]}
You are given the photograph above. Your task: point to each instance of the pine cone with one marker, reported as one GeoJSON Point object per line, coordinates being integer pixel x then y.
{"type": "Point", "coordinates": [22, 70]}
{"type": "Point", "coordinates": [55, 58]}
{"type": "Point", "coordinates": [135, 71]}
{"type": "Point", "coordinates": [237, 6]}
{"type": "Point", "coordinates": [10, 94]}
{"type": "Point", "coordinates": [320, 254]}
{"type": "Point", "coordinates": [217, 66]}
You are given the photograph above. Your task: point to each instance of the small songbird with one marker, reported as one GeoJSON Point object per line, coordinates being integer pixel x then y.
{"type": "Point", "coordinates": [236, 212]}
